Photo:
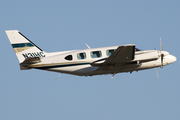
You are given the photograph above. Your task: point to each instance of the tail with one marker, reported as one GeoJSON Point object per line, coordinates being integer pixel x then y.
{"type": "Point", "coordinates": [23, 47]}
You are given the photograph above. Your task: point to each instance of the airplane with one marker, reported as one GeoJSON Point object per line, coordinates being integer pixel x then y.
{"type": "Point", "coordinates": [87, 62]}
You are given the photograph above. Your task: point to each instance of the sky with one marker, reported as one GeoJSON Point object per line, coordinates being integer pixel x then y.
{"type": "Point", "coordinates": [56, 25]}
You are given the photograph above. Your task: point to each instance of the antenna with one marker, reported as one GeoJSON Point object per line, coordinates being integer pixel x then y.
{"type": "Point", "coordinates": [87, 46]}
{"type": "Point", "coordinates": [58, 76]}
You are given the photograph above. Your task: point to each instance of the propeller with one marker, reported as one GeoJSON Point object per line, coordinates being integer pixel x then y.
{"type": "Point", "coordinates": [162, 55]}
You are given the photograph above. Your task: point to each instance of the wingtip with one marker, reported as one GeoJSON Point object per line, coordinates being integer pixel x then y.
{"type": "Point", "coordinates": [130, 45]}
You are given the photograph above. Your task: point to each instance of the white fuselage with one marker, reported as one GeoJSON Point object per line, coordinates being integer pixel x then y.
{"type": "Point", "coordinates": [57, 62]}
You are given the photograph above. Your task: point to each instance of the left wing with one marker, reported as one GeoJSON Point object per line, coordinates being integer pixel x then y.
{"type": "Point", "coordinates": [123, 54]}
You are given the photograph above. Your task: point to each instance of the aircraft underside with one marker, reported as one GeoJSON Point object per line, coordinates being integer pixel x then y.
{"type": "Point", "coordinates": [88, 70]}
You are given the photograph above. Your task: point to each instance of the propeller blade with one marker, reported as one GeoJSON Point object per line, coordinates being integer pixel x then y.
{"type": "Point", "coordinates": [161, 44]}
{"type": "Point", "coordinates": [157, 72]}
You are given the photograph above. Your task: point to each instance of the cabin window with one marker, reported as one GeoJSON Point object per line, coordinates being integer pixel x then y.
{"type": "Point", "coordinates": [81, 56]}
{"type": "Point", "coordinates": [109, 52]}
{"type": "Point", "coordinates": [69, 57]}
{"type": "Point", "coordinates": [96, 54]}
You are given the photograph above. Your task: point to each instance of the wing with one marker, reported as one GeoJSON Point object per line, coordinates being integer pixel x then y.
{"type": "Point", "coordinates": [123, 54]}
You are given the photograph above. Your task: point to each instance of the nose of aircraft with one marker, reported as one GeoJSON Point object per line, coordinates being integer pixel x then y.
{"type": "Point", "coordinates": [170, 59]}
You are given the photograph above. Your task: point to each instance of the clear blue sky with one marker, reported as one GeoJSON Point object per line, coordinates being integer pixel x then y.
{"type": "Point", "coordinates": [57, 25]}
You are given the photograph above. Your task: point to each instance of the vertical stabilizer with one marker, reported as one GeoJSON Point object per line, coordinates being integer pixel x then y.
{"type": "Point", "coordinates": [23, 47]}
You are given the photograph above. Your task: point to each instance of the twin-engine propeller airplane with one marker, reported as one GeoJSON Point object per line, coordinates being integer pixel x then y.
{"type": "Point", "coordinates": [87, 62]}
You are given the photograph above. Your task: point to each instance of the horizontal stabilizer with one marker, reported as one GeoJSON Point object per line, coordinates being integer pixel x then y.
{"type": "Point", "coordinates": [30, 60]}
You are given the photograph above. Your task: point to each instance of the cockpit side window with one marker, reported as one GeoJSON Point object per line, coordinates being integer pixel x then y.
{"type": "Point", "coordinates": [96, 54]}
{"type": "Point", "coordinates": [81, 56]}
{"type": "Point", "coordinates": [69, 57]}
{"type": "Point", "coordinates": [109, 52]}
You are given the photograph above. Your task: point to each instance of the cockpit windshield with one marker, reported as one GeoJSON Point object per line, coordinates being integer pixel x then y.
{"type": "Point", "coordinates": [136, 49]}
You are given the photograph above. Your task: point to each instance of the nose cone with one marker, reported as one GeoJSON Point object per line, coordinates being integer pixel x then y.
{"type": "Point", "coordinates": [170, 59]}
{"type": "Point", "coordinates": [174, 58]}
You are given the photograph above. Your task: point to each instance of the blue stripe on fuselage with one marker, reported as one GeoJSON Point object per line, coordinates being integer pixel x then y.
{"type": "Point", "coordinates": [65, 65]}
